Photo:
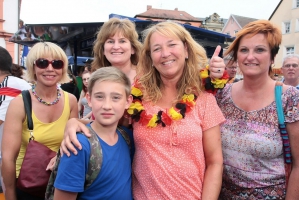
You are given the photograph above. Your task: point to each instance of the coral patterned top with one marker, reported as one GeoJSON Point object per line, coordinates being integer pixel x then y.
{"type": "Point", "coordinates": [169, 162]}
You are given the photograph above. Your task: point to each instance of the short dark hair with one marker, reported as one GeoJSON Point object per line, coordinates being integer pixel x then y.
{"type": "Point", "coordinates": [5, 61]}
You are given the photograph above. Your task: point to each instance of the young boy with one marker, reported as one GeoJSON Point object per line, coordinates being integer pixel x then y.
{"type": "Point", "coordinates": [108, 95]}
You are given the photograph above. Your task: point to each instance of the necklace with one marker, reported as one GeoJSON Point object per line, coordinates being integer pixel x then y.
{"type": "Point", "coordinates": [44, 102]}
{"type": "Point", "coordinates": [138, 114]}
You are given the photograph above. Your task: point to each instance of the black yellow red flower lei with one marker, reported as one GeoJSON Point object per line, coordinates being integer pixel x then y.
{"type": "Point", "coordinates": [138, 114]}
{"type": "Point", "coordinates": [212, 85]}
{"type": "Point", "coordinates": [185, 105]}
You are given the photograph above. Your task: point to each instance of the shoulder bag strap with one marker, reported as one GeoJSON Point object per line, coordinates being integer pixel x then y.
{"type": "Point", "coordinates": [28, 110]}
{"type": "Point", "coordinates": [282, 126]}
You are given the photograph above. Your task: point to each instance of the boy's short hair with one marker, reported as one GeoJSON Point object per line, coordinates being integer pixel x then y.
{"type": "Point", "coordinates": [109, 74]}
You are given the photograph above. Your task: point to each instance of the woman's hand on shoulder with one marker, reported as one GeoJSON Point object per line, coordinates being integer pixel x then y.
{"type": "Point", "coordinates": [217, 65]}
{"type": "Point", "coordinates": [70, 136]}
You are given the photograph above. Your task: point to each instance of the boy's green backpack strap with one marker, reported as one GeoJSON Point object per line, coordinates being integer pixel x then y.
{"type": "Point", "coordinates": [50, 187]}
{"type": "Point", "coordinates": [125, 135]}
{"type": "Point", "coordinates": [96, 158]}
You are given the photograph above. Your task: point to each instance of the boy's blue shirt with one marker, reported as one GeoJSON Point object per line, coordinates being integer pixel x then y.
{"type": "Point", "coordinates": [114, 180]}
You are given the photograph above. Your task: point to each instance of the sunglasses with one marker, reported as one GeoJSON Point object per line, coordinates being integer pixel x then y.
{"type": "Point", "coordinates": [44, 63]}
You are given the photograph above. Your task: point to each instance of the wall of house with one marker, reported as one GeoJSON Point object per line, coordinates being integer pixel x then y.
{"type": "Point", "coordinates": [231, 27]}
{"type": "Point", "coordinates": [287, 13]}
{"type": "Point", "coordinates": [8, 26]}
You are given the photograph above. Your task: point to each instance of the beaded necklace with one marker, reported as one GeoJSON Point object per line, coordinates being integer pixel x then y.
{"type": "Point", "coordinates": [44, 102]}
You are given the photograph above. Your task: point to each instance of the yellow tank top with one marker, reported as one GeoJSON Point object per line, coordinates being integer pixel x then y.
{"type": "Point", "coordinates": [49, 134]}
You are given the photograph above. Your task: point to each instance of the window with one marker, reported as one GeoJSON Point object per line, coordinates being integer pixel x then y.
{"type": "Point", "coordinates": [297, 4]}
{"type": "Point", "coordinates": [289, 50]}
{"type": "Point", "coordinates": [286, 27]}
{"type": "Point", "coordinates": [228, 33]}
{"type": "Point", "coordinates": [297, 25]}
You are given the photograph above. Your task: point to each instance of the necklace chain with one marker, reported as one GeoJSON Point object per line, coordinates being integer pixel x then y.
{"type": "Point", "coordinates": [44, 102]}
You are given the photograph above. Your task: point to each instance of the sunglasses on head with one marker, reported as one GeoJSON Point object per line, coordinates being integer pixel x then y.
{"type": "Point", "coordinates": [44, 63]}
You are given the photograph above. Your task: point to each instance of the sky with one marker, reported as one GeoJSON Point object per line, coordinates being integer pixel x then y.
{"type": "Point", "coordinates": [75, 11]}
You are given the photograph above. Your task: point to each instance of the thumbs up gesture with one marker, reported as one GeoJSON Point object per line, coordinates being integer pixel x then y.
{"type": "Point", "coordinates": [217, 65]}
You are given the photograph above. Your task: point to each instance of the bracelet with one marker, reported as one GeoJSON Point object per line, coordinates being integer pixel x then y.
{"type": "Point", "coordinates": [212, 85]}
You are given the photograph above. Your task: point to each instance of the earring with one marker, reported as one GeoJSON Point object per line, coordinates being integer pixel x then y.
{"type": "Point", "coordinates": [186, 58]}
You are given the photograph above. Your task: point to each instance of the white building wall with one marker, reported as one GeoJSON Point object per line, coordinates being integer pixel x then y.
{"type": "Point", "coordinates": [11, 24]}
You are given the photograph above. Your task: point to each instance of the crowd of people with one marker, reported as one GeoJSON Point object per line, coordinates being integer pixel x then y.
{"type": "Point", "coordinates": [188, 143]}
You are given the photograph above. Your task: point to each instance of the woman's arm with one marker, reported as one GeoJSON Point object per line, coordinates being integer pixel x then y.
{"type": "Point", "coordinates": [214, 163]}
{"type": "Point", "coordinates": [293, 186]}
{"type": "Point", "coordinates": [73, 106]}
{"type": "Point", "coordinates": [11, 142]}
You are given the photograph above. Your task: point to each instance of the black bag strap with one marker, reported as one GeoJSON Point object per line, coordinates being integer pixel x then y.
{"type": "Point", "coordinates": [28, 109]}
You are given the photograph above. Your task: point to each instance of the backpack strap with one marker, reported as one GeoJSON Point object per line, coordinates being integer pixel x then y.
{"type": "Point", "coordinates": [49, 195]}
{"type": "Point", "coordinates": [96, 158]}
{"type": "Point", "coordinates": [127, 134]}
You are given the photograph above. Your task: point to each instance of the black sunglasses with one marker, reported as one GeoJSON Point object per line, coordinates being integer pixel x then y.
{"type": "Point", "coordinates": [44, 63]}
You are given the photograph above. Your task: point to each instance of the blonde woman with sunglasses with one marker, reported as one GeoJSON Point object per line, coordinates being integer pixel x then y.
{"type": "Point", "coordinates": [51, 108]}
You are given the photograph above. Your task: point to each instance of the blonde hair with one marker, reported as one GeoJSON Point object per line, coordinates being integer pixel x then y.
{"type": "Point", "coordinates": [149, 78]}
{"type": "Point", "coordinates": [41, 50]}
{"type": "Point", "coordinates": [110, 28]}
{"type": "Point", "coordinates": [109, 74]}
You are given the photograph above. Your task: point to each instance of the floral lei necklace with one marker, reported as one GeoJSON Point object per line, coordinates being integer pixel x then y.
{"type": "Point", "coordinates": [138, 114]}
{"type": "Point", "coordinates": [185, 105]}
{"type": "Point", "coordinates": [44, 102]}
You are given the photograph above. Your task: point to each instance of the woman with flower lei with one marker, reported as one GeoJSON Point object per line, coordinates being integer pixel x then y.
{"type": "Point", "coordinates": [176, 124]}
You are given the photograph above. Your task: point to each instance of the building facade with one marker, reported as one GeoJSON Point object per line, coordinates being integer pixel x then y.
{"type": "Point", "coordinates": [235, 23]}
{"type": "Point", "coordinates": [286, 17]}
{"type": "Point", "coordinates": [213, 22]}
{"type": "Point", "coordinates": [9, 20]}
{"type": "Point", "coordinates": [176, 15]}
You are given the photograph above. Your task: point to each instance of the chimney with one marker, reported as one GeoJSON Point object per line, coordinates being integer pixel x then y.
{"type": "Point", "coordinates": [148, 7]}
{"type": "Point", "coordinates": [176, 9]}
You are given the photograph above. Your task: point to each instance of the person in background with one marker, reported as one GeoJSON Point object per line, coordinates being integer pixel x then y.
{"type": "Point", "coordinates": [71, 87]}
{"type": "Point", "coordinates": [254, 166]}
{"type": "Point", "coordinates": [10, 87]}
{"type": "Point", "coordinates": [231, 68]}
{"type": "Point", "coordinates": [83, 107]}
{"type": "Point", "coordinates": [47, 66]}
{"type": "Point", "coordinates": [290, 70]}
{"type": "Point", "coordinates": [79, 78]}
{"type": "Point", "coordinates": [177, 139]}
{"type": "Point", "coordinates": [109, 96]}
